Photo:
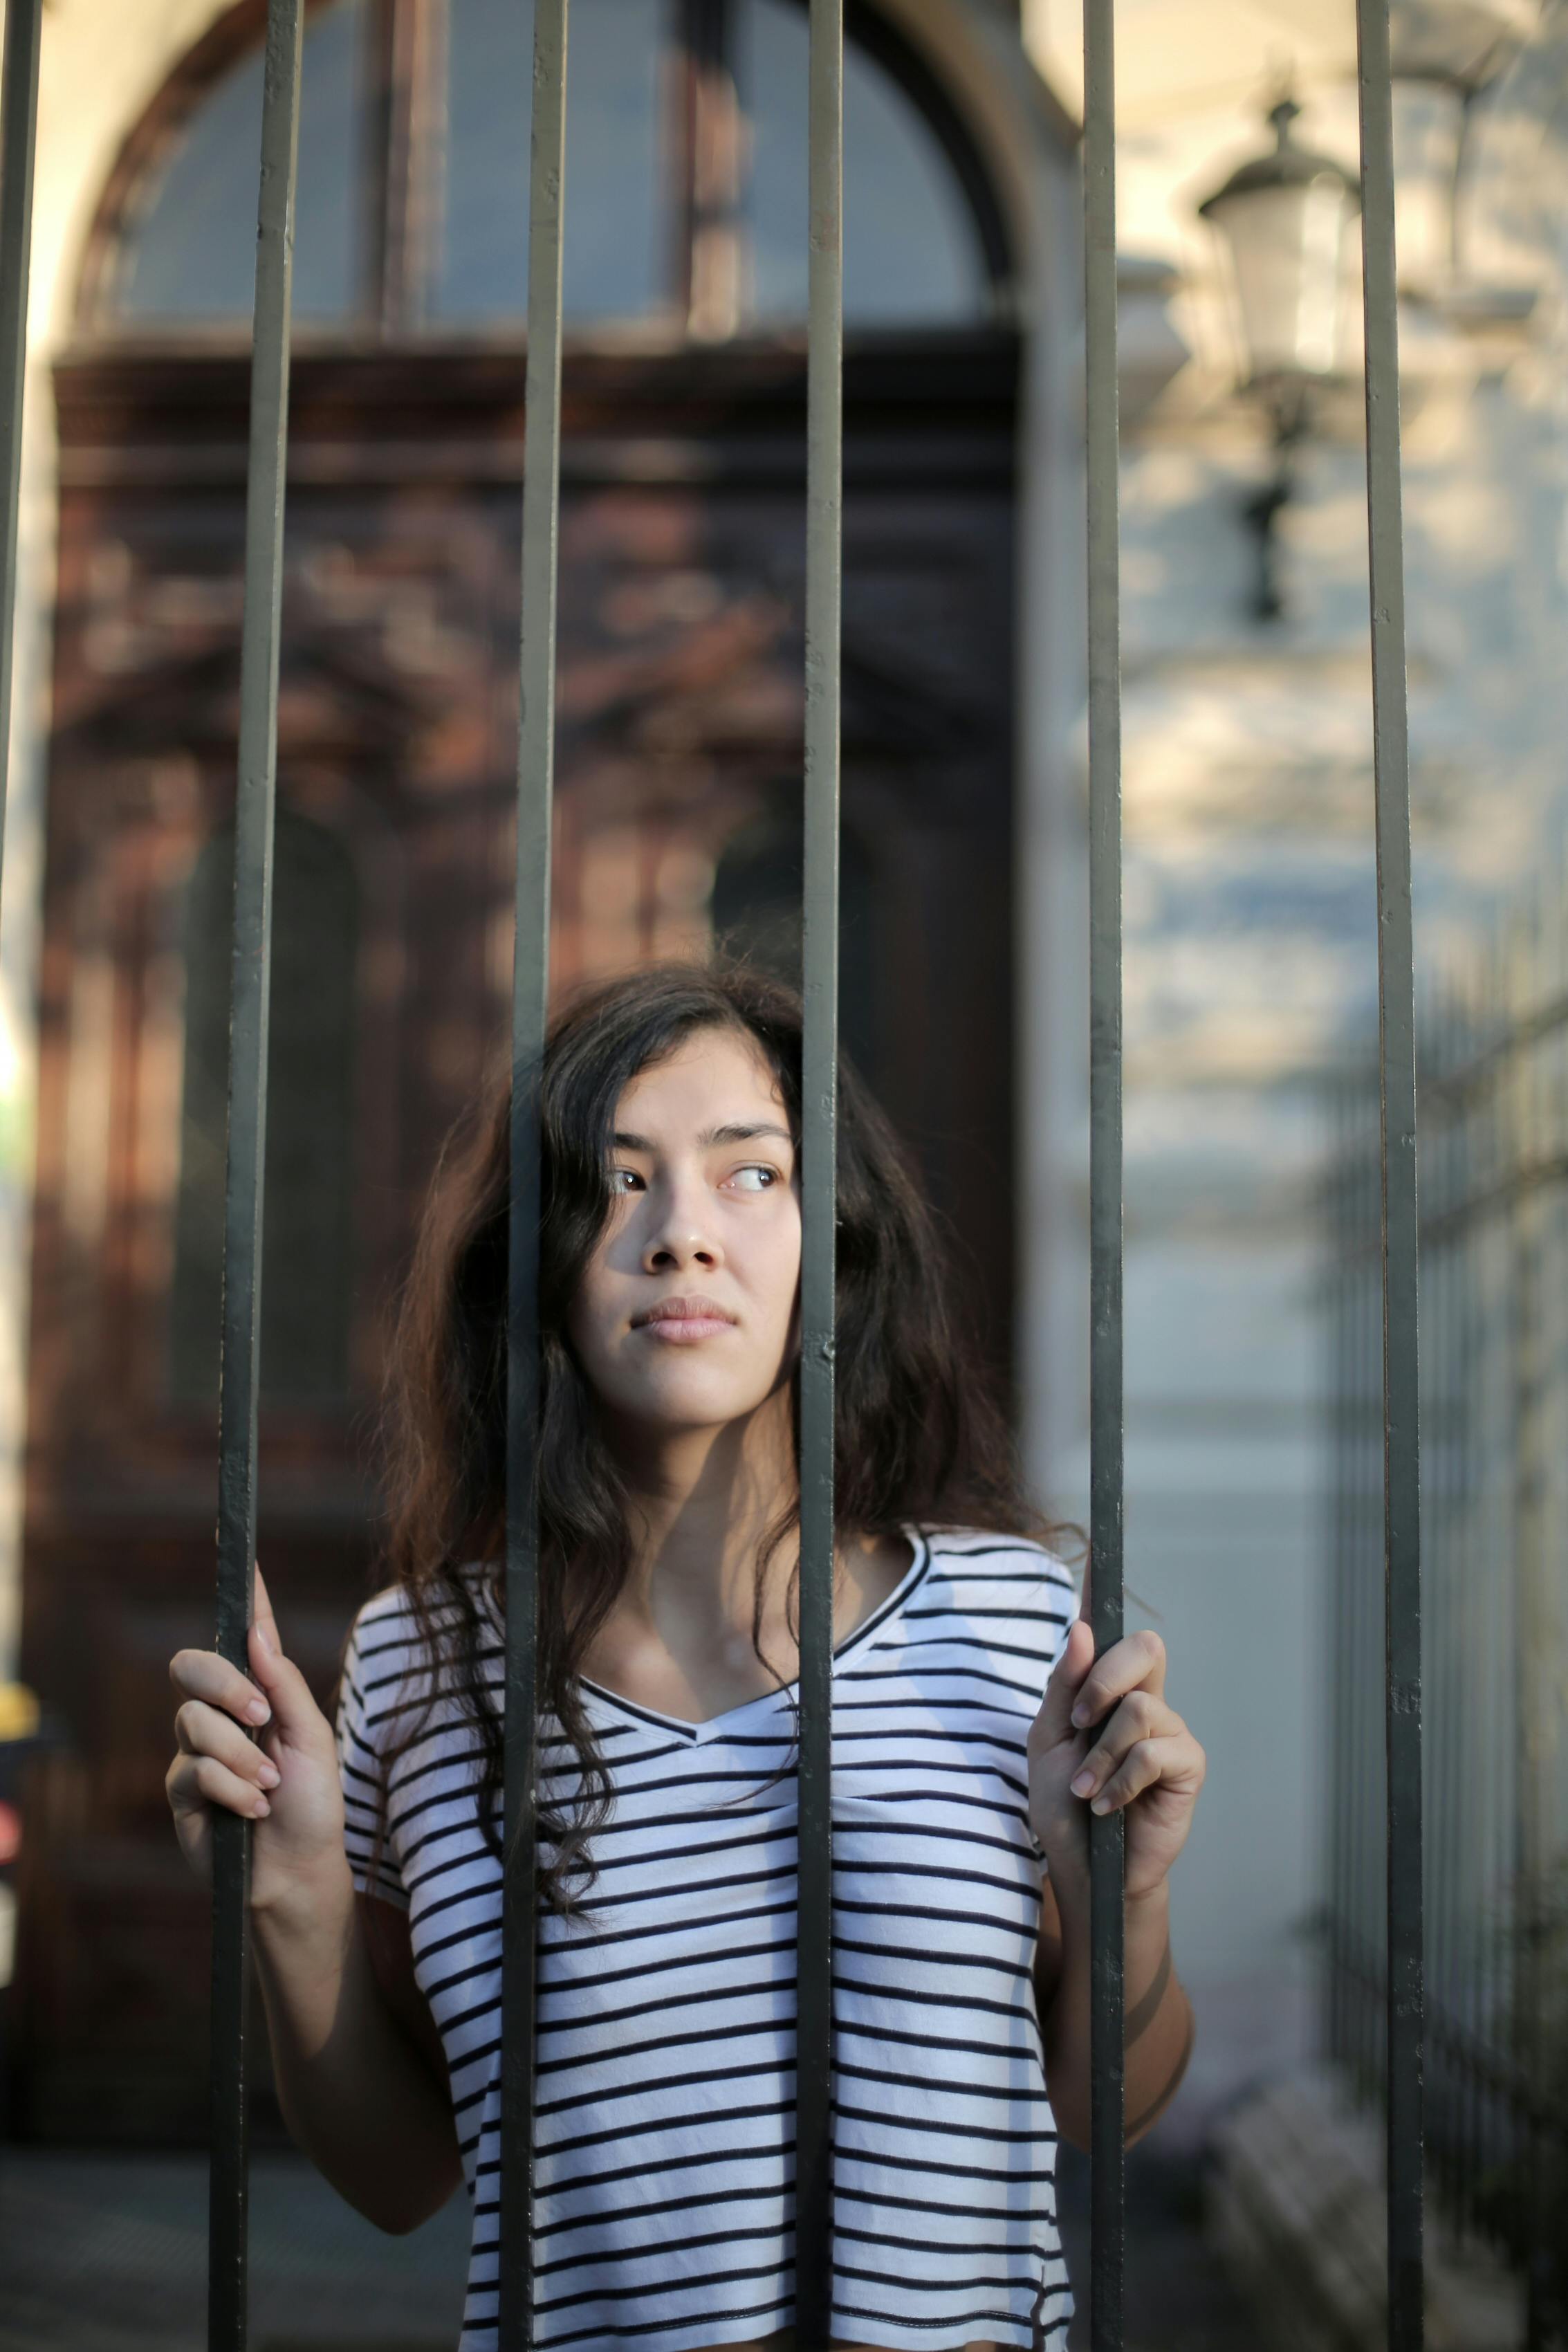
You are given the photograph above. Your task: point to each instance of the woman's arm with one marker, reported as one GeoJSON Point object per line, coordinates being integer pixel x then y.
{"type": "Point", "coordinates": [359, 2067]}
{"type": "Point", "coordinates": [1157, 2021]}
{"type": "Point", "coordinates": [1106, 1737]}
{"type": "Point", "coordinates": [356, 2060]}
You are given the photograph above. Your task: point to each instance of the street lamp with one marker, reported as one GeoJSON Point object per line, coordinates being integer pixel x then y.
{"type": "Point", "coordinates": [1284, 219]}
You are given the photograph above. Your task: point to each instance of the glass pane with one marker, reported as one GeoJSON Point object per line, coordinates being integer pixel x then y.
{"type": "Point", "coordinates": [912, 250]}
{"type": "Point", "coordinates": [617, 236]}
{"type": "Point", "coordinates": [192, 255]}
{"type": "Point", "coordinates": [307, 1233]}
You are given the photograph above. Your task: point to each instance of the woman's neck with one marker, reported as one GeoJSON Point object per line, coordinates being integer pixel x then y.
{"type": "Point", "coordinates": [699, 1504]}
{"type": "Point", "coordinates": [679, 1638]}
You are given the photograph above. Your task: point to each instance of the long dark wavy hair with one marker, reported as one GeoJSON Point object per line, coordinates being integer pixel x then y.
{"type": "Point", "coordinates": [919, 1436]}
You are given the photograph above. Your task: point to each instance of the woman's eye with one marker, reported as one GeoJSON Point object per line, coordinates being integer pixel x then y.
{"type": "Point", "coordinates": [769, 1174]}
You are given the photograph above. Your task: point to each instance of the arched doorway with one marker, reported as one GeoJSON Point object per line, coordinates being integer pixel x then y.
{"type": "Point", "coordinates": [680, 752]}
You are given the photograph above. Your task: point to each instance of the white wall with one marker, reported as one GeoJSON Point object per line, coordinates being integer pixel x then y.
{"type": "Point", "coordinates": [1249, 910]}
{"type": "Point", "coordinates": [1250, 942]}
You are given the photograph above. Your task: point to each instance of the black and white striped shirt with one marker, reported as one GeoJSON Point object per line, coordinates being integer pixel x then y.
{"type": "Point", "coordinates": [667, 2017]}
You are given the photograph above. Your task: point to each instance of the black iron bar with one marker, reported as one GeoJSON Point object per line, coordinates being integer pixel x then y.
{"type": "Point", "coordinates": [20, 130]}
{"type": "Point", "coordinates": [1340, 1209]}
{"type": "Point", "coordinates": [1107, 1842]}
{"type": "Point", "coordinates": [1397, 1040]}
{"type": "Point", "coordinates": [1533, 1696]}
{"type": "Point", "coordinates": [241, 1363]}
{"type": "Point", "coordinates": [530, 989]}
{"type": "Point", "coordinates": [820, 976]}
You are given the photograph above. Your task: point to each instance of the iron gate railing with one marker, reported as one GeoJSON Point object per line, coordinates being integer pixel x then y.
{"type": "Point", "coordinates": [1494, 1281]}
{"type": "Point", "coordinates": [248, 1119]}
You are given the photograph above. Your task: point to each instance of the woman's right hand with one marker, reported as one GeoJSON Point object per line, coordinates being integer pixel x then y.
{"type": "Point", "coordinates": [286, 1782]}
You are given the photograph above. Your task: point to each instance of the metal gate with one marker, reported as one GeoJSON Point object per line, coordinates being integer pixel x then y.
{"type": "Point", "coordinates": [247, 1118]}
{"type": "Point", "coordinates": [1493, 1046]}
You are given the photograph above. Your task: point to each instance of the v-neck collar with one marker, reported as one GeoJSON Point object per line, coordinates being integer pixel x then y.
{"type": "Point", "coordinates": [714, 1725]}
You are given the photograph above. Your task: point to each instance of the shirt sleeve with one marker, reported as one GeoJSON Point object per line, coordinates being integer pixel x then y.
{"type": "Point", "coordinates": [1058, 1599]}
{"type": "Point", "coordinates": [369, 1674]}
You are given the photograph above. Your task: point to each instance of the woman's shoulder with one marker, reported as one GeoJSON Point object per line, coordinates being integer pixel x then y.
{"type": "Point", "coordinates": [1014, 1589]}
{"type": "Point", "coordinates": [394, 1614]}
{"type": "Point", "coordinates": [976, 1555]}
{"type": "Point", "coordinates": [389, 1662]}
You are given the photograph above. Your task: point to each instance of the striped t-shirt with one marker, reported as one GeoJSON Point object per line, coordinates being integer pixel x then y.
{"type": "Point", "coordinates": [664, 2131]}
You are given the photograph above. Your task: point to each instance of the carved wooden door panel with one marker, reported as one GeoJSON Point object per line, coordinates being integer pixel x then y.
{"type": "Point", "coordinates": [678, 816]}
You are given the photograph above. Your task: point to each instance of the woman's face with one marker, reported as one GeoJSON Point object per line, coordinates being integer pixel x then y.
{"type": "Point", "coordinates": [708, 1212]}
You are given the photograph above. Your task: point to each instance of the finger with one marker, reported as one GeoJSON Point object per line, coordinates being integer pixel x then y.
{"type": "Point", "coordinates": [1137, 1661]}
{"type": "Point", "coordinates": [262, 1613]}
{"type": "Point", "coordinates": [293, 1705]}
{"type": "Point", "coordinates": [1139, 1717]}
{"type": "Point", "coordinates": [202, 1673]}
{"type": "Point", "coordinates": [203, 1731]}
{"type": "Point", "coordinates": [1053, 1722]}
{"type": "Point", "coordinates": [197, 1781]}
{"type": "Point", "coordinates": [1164, 1762]}
{"type": "Point", "coordinates": [193, 1823]}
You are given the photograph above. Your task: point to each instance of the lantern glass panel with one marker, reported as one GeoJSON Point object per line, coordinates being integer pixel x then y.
{"type": "Point", "coordinates": [1286, 246]}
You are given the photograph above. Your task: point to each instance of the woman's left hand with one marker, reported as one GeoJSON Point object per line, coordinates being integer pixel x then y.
{"type": "Point", "coordinates": [1142, 1758]}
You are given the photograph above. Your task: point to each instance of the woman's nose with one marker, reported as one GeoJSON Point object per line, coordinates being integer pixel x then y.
{"type": "Point", "coordinates": [681, 1231]}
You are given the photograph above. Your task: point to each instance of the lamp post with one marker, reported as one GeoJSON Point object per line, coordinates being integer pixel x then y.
{"type": "Point", "coordinates": [1283, 220]}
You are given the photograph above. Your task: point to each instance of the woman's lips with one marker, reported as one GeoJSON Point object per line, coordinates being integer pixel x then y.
{"type": "Point", "coordinates": [684, 1328]}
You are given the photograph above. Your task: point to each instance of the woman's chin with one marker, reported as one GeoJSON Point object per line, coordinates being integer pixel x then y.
{"type": "Point", "coordinates": [682, 1406]}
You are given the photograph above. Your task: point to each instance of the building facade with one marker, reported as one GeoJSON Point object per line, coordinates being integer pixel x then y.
{"type": "Point", "coordinates": [1250, 939]}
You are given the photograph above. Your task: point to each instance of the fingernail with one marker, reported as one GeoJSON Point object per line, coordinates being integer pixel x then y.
{"type": "Point", "coordinates": [1080, 1715]}
{"type": "Point", "coordinates": [269, 1775]}
{"type": "Point", "coordinates": [1082, 1783]}
{"type": "Point", "coordinates": [261, 1807]}
{"type": "Point", "coordinates": [1100, 1805]}
{"type": "Point", "coordinates": [259, 1711]}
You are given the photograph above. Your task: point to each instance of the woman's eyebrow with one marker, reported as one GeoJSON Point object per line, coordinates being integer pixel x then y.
{"type": "Point", "coordinates": [735, 1131]}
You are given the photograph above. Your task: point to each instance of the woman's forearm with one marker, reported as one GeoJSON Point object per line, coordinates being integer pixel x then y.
{"type": "Point", "coordinates": [357, 2097]}
{"type": "Point", "coordinates": [1157, 2018]}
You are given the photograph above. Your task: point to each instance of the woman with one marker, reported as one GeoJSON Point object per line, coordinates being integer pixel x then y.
{"type": "Point", "coordinates": [670, 1335]}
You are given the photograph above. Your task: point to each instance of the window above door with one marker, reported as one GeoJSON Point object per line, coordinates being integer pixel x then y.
{"type": "Point", "coordinates": [685, 191]}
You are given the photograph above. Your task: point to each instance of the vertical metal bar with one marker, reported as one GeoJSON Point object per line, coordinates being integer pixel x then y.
{"type": "Point", "coordinates": [1451, 1519]}
{"type": "Point", "coordinates": [19, 130]}
{"type": "Point", "coordinates": [530, 988]}
{"type": "Point", "coordinates": [1397, 1037]}
{"type": "Point", "coordinates": [1345, 1278]}
{"type": "Point", "coordinates": [1107, 1844]}
{"type": "Point", "coordinates": [241, 1363]}
{"type": "Point", "coordinates": [1535, 1683]}
{"type": "Point", "coordinates": [820, 959]}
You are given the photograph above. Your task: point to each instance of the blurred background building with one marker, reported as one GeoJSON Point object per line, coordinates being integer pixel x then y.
{"type": "Point", "coordinates": [1251, 956]}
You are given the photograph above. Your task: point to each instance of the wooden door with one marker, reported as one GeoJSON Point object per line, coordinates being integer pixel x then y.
{"type": "Point", "coordinates": [678, 810]}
